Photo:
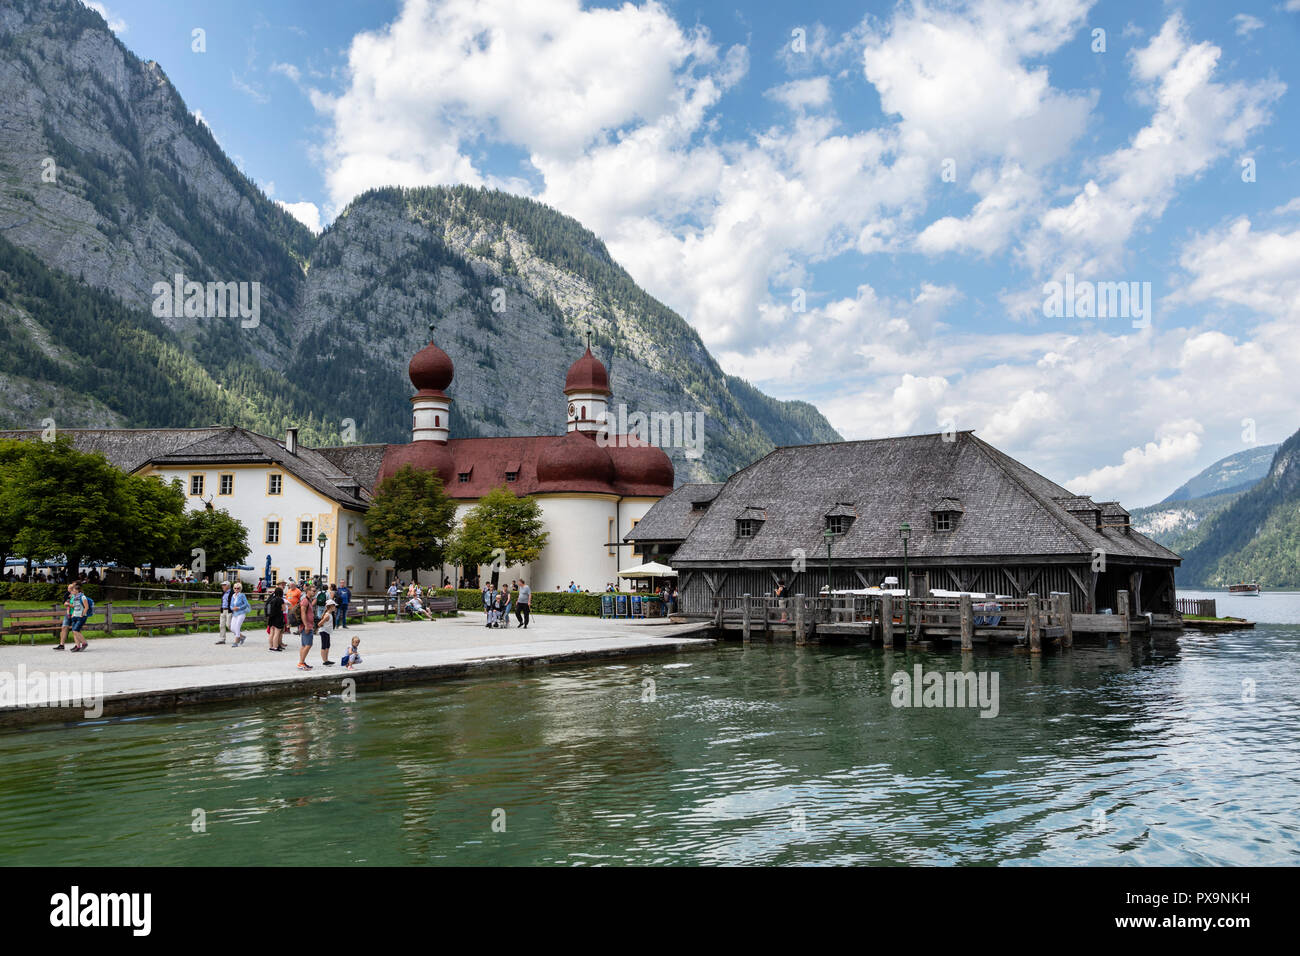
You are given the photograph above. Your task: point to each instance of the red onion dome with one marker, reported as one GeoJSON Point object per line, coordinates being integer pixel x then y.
{"type": "Point", "coordinates": [422, 456]}
{"type": "Point", "coordinates": [587, 375]}
{"type": "Point", "coordinates": [639, 463]}
{"type": "Point", "coordinates": [431, 369]}
{"type": "Point", "coordinates": [574, 462]}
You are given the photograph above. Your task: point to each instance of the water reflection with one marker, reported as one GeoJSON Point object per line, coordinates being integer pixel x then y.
{"type": "Point", "coordinates": [1140, 753]}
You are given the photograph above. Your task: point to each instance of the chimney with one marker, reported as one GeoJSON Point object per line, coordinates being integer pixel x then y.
{"type": "Point", "coordinates": [291, 441]}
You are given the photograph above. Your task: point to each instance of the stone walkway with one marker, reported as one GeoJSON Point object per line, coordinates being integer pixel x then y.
{"type": "Point", "coordinates": [138, 674]}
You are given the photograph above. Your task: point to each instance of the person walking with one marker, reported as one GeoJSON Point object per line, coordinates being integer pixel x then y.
{"type": "Point", "coordinates": [224, 626]}
{"type": "Point", "coordinates": [74, 620]}
{"type": "Point", "coordinates": [275, 619]}
{"type": "Point", "coordinates": [307, 615]}
{"type": "Point", "coordinates": [525, 606]}
{"type": "Point", "coordinates": [345, 598]}
{"type": "Point", "coordinates": [239, 608]}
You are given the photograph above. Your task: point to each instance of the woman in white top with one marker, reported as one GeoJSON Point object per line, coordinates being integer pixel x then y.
{"type": "Point", "coordinates": [239, 608]}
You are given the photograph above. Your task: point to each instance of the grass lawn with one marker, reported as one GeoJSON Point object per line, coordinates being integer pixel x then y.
{"type": "Point", "coordinates": [98, 618]}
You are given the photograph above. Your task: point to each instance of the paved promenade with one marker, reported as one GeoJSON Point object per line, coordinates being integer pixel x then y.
{"type": "Point", "coordinates": [141, 674]}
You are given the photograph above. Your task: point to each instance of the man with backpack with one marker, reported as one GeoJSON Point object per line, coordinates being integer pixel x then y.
{"type": "Point", "coordinates": [79, 607]}
{"type": "Point", "coordinates": [344, 599]}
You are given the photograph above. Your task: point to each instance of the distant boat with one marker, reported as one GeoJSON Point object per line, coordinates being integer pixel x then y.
{"type": "Point", "coordinates": [1245, 590]}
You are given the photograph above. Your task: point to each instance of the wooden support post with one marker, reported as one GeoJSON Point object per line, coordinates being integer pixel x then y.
{"type": "Point", "coordinates": [887, 619]}
{"type": "Point", "coordinates": [1121, 598]}
{"type": "Point", "coordinates": [108, 617]}
{"type": "Point", "coordinates": [1035, 626]}
{"type": "Point", "coordinates": [747, 617]}
{"type": "Point", "coordinates": [717, 610]}
{"type": "Point", "coordinates": [1066, 615]}
{"type": "Point", "coordinates": [800, 622]}
{"type": "Point", "coordinates": [967, 623]}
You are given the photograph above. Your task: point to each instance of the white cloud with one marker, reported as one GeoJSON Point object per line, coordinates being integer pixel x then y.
{"type": "Point", "coordinates": [115, 22]}
{"type": "Point", "coordinates": [248, 89]}
{"type": "Point", "coordinates": [1238, 266]}
{"type": "Point", "coordinates": [1246, 24]}
{"type": "Point", "coordinates": [306, 213]}
{"type": "Point", "coordinates": [1196, 121]}
{"type": "Point", "coordinates": [1177, 444]}
{"type": "Point", "coordinates": [802, 94]}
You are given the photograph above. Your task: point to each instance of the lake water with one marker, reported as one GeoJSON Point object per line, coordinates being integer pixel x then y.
{"type": "Point", "coordinates": [1146, 754]}
{"type": "Point", "coordinates": [1270, 607]}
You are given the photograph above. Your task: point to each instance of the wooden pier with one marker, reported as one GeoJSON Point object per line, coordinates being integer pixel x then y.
{"type": "Point", "coordinates": [886, 618]}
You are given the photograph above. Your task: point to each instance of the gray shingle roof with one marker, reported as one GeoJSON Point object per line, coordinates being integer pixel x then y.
{"type": "Point", "coordinates": [237, 445]}
{"type": "Point", "coordinates": [1008, 509]}
{"type": "Point", "coordinates": [673, 516]}
{"type": "Point", "coordinates": [125, 448]}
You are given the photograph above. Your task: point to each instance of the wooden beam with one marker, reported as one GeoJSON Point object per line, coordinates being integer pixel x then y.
{"type": "Point", "coordinates": [1035, 626]}
{"type": "Point", "coordinates": [887, 619]}
{"type": "Point", "coordinates": [967, 622]}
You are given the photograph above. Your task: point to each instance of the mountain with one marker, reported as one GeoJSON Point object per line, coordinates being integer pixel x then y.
{"type": "Point", "coordinates": [109, 185]}
{"type": "Point", "coordinates": [1257, 537]}
{"type": "Point", "coordinates": [1180, 525]}
{"type": "Point", "coordinates": [1235, 473]}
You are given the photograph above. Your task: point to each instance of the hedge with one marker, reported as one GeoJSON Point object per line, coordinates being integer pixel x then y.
{"type": "Point", "coordinates": [544, 602]}
{"type": "Point", "coordinates": [42, 591]}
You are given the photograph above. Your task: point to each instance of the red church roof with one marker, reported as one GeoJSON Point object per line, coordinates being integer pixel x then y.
{"type": "Point", "coordinates": [587, 375]}
{"type": "Point", "coordinates": [571, 463]}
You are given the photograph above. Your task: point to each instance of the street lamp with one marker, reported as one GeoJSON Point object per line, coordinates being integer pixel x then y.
{"type": "Point", "coordinates": [829, 535]}
{"type": "Point", "coordinates": [320, 543]}
{"type": "Point", "coordinates": [906, 531]}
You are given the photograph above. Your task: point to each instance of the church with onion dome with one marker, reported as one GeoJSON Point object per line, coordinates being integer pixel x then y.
{"type": "Point", "coordinates": [592, 487]}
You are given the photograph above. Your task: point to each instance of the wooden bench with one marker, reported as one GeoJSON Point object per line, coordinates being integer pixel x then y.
{"type": "Point", "coordinates": [207, 614]}
{"type": "Point", "coordinates": [441, 605]}
{"type": "Point", "coordinates": [33, 623]}
{"type": "Point", "coordinates": [153, 620]}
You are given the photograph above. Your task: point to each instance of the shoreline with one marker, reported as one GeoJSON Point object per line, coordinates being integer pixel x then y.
{"type": "Point", "coordinates": [185, 671]}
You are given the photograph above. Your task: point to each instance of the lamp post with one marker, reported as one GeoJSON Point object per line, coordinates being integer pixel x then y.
{"type": "Point", "coordinates": [906, 530]}
{"type": "Point", "coordinates": [320, 572]}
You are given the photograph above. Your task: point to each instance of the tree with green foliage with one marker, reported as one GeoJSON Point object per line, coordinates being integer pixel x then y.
{"type": "Point", "coordinates": [501, 524]}
{"type": "Point", "coordinates": [222, 541]}
{"type": "Point", "coordinates": [57, 501]}
{"type": "Point", "coordinates": [409, 521]}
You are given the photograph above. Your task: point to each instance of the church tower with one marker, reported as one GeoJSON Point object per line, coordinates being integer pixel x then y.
{"type": "Point", "coordinates": [586, 389]}
{"type": "Point", "coordinates": [431, 372]}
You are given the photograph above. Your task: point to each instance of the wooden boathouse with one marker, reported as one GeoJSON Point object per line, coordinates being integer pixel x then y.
{"type": "Point", "coordinates": [974, 519]}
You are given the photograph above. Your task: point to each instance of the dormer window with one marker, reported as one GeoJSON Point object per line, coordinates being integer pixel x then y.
{"type": "Point", "coordinates": [944, 515]}
{"type": "Point", "coordinates": [463, 477]}
{"type": "Point", "coordinates": [838, 524]}
{"type": "Point", "coordinates": [512, 476]}
{"type": "Point", "coordinates": [747, 527]}
{"type": "Point", "coordinates": [700, 505]}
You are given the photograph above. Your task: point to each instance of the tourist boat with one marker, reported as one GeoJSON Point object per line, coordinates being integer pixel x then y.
{"type": "Point", "coordinates": [1245, 590]}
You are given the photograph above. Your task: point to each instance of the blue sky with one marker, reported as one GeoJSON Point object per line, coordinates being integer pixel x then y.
{"type": "Point", "coordinates": [912, 175]}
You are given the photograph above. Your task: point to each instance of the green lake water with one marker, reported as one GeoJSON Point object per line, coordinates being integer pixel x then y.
{"type": "Point", "coordinates": [1144, 754]}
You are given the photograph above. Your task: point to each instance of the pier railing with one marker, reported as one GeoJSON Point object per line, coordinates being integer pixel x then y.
{"type": "Point", "coordinates": [1198, 607]}
{"type": "Point", "coordinates": [884, 616]}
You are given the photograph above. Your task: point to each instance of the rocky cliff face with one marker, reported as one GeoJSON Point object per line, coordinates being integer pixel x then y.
{"type": "Point", "coordinates": [109, 180]}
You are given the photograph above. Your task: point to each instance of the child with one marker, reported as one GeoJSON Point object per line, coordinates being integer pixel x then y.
{"type": "Point", "coordinates": [323, 627]}
{"type": "Point", "coordinates": [352, 656]}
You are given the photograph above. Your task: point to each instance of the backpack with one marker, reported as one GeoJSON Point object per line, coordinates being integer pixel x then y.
{"type": "Point", "coordinates": [90, 605]}
{"type": "Point", "coordinates": [295, 618]}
